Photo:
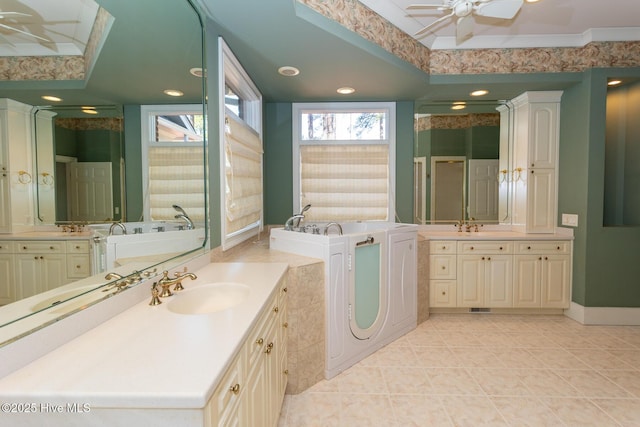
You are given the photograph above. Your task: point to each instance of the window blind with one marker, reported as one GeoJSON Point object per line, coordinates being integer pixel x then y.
{"type": "Point", "coordinates": [243, 174]}
{"type": "Point", "coordinates": [176, 177]}
{"type": "Point", "coordinates": [345, 182]}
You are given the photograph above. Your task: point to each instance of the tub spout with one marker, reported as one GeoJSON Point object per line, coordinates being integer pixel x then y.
{"type": "Point", "coordinates": [289, 224]}
{"type": "Point", "coordinates": [332, 224]}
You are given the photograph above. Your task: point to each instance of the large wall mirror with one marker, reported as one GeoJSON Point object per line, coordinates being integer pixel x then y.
{"type": "Point", "coordinates": [132, 54]}
{"type": "Point", "coordinates": [457, 156]}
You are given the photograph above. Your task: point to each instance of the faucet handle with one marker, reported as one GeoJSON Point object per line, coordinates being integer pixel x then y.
{"type": "Point", "coordinates": [155, 293]}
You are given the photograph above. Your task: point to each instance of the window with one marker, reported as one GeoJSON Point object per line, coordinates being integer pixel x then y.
{"type": "Point", "coordinates": [344, 157]}
{"type": "Point", "coordinates": [240, 153]}
{"type": "Point", "coordinates": [173, 150]}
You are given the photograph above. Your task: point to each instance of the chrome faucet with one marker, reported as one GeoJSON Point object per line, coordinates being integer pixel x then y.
{"type": "Point", "coordinates": [306, 208]}
{"type": "Point", "coordinates": [117, 224]}
{"type": "Point", "coordinates": [332, 224]}
{"type": "Point", "coordinates": [289, 224]}
{"type": "Point", "coordinates": [183, 215]}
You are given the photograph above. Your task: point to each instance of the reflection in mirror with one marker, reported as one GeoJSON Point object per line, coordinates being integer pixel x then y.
{"type": "Point", "coordinates": [456, 167]}
{"type": "Point", "coordinates": [125, 62]}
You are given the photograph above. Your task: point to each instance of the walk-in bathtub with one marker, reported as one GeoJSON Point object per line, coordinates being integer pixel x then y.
{"type": "Point", "coordinates": [370, 284]}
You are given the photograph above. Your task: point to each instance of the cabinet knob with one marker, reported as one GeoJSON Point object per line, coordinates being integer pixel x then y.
{"type": "Point", "coordinates": [546, 258]}
{"type": "Point", "coordinates": [51, 247]}
{"type": "Point", "coordinates": [483, 258]}
{"type": "Point", "coordinates": [35, 257]}
{"type": "Point", "coordinates": [488, 258]}
{"type": "Point", "coordinates": [471, 248]}
{"type": "Point", "coordinates": [235, 389]}
{"type": "Point", "coordinates": [532, 171]}
{"type": "Point", "coordinates": [275, 309]}
{"type": "Point", "coordinates": [443, 267]}
{"type": "Point", "coordinates": [285, 325]}
{"type": "Point", "coordinates": [260, 341]}
{"type": "Point", "coordinates": [533, 165]}
{"type": "Point", "coordinates": [24, 248]}
{"type": "Point", "coordinates": [284, 290]}
{"type": "Point", "coordinates": [539, 258]}
{"type": "Point", "coordinates": [269, 348]}
{"type": "Point", "coordinates": [78, 267]}
{"type": "Point", "coordinates": [528, 248]}
{"type": "Point", "coordinates": [444, 293]}
{"type": "Point", "coordinates": [444, 247]}
{"type": "Point", "coordinates": [77, 247]}
{"type": "Point", "coordinates": [286, 372]}
{"type": "Point", "coordinates": [500, 247]}
{"type": "Point", "coordinates": [558, 247]}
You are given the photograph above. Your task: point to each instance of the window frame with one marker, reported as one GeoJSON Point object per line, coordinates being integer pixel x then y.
{"type": "Point", "coordinates": [341, 107]}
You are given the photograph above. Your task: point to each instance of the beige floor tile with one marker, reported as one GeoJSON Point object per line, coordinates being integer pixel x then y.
{"type": "Point", "coordinates": [579, 413]}
{"type": "Point", "coordinates": [524, 411]}
{"type": "Point", "coordinates": [419, 411]}
{"type": "Point", "coordinates": [472, 411]}
{"type": "Point", "coordinates": [519, 371]}
{"type": "Point", "coordinates": [624, 411]}
{"type": "Point", "coordinates": [447, 381]}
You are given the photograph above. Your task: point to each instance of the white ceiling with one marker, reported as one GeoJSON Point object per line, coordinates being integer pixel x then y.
{"type": "Point", "coordinates": [67, 23]}
{"type": "Point", "coordinates": [546, 23]}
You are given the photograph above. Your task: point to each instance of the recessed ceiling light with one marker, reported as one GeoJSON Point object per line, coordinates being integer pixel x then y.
{"type": "Point", "coordinates": [460, 103]}
{"type": "Point", "coordinates": [173, 92]}
{"type": "Point", "coordinates": [532, 1]}
{"type": "Point", "coordinates": [346, 90]}
{"type": "Point", "coordinates": [458, 107]}
{"type": "Point", "coordinates": [91, 110]}
{"type": "Point", "coordinates": [288, 71]}
{"type": "Point", "coordinates": [196, 71]}
{"type": "Point", "coordinates": [614, 82]}
{"type": "Point", "coordinates": [51, 98]}
{"type": "Point", "coordinates": [480, 92]}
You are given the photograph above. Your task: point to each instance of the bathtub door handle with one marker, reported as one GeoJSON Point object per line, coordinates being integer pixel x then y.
{"type": "Point", "coordinates": [368, 241]}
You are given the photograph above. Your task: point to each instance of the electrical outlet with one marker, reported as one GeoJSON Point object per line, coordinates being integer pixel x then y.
{"type": "Point", "coordinates": [570, 220]}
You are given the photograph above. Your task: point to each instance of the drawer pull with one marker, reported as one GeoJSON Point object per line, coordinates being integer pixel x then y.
{"type": "Point", "coordinates": [285, 325]}
{"type": "Point", "coordinates": [488, 258]}
{"type": "Point", "coordinates": [444, 247]}
{"type": "Point", "coordinates": [284, 290]}
{"type": "Point", "coordinates": [260, 341]}
{"type": "Point", "coordinates": [546, 258]}
{"type": "Point", "coordinates": [443, 267]}
{"type": "Point", "coordinates": [528, 247]}
{"type": "Point", "coordinates": [558, 248]}
{"type": "Point", "coordinates": [444, 293]}
{"type": "Point", "coordinates": [471, 248]}
{"type": "Point", "coordinates": [275, 309]}
{"type": "Point", "coordinates": [539, 258]}
{"type": "Point", "coordinates": [500, 247]}
{"type": "Point", "coordinates": [483, 258]}
{"type": "Point", "coordinates": [77, 247]}
{"type": "Point", "coordinates": [235, 389]}
{"type": "Point", "coordinates": [51, 247]}
{"type": "Point", "coordinates": [24, 248]}
{"type": "Point", "coordinates": [269, 348]}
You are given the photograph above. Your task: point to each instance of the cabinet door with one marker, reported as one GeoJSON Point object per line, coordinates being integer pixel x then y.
{"type": "Point", "coordinates": [402, 279]}
{"type": "Point", "coordinates": [53, 270]}
{"type": "Point", "coordinates": [5, 200]}
{"type": "Point", "coordinates": [498, 286]}
{"type": "Point", "coordinates": [541, 207]}
{"type": "Point", "coordinates": [543, 134]}
{"type": "Point", "coordinates": [471, 277]}
{"type": "Point", "coordinates": [555, 281]}
{"type": "Point", "coordinates": [27, 275]}
{"type": "Point", "coordinates": [7, 280]}
{"type": "Point", "coordinates": [526, 280]}
{"type": "Point", "coordinates": [442, 267]}
{"type": "Point", "coordinates": [78, 266]}
{"type": "Point", "coordinates": [255, 398]}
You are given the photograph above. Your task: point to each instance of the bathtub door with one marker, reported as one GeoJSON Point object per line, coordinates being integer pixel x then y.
{"type": "Point", "coordinates": [368, 294]}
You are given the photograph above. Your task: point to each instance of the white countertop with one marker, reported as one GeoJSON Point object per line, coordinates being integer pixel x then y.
{"type": "Point", "coordinates": [48, 235]}
{"type": "Point", "coordinates": [148, 356]}
{"type": "Point", "coordinates": [492, 235]}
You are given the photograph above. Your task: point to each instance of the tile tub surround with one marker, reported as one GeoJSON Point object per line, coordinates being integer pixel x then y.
{"type": "Point", "coordinates": [485, 369]}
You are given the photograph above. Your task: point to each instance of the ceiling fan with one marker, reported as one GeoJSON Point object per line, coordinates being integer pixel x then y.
{"type": "Point", "coordinates": [5, 15]}
{"type": "Point", "coordinates": [464, 9]}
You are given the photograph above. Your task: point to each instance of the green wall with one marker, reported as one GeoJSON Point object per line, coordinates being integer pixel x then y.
{"type": "Point", "coordinates": [606, 267]}
{"type": "Point", "coordinates": [132, 162]}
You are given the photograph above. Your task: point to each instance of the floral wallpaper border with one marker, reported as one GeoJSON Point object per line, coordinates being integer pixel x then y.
{"type": "Point", "coordinates": [20, 68]}
{"type": "Point", "coordinates": [456, 121]}
{"type": "Point", "coordinates": [106, 123]}
{"type": "Point", "coordinates": [363, 21]}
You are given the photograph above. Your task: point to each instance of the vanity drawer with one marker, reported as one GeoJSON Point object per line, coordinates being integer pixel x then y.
{"type": "Point", "coordinates": [6, 247]}
{"type": "Point", "coordinates": [485, 247]}
{"type": "Point", "coordinates": [78, 266]}
{"type": "Point", "coordinates": [40, 246]}
{"type": "Point", "coordinates": [259, 339]}
{"type": "Point", "coordinates": [442, 266]}
{"type": "Point", "coordinates": [543, 247]}
{"type": "Point", "coordinates": [442, 293]}
{"type": "Point", "coordinates": [77, 246]}
{"type": "Point", "coordinates": [442, 247]}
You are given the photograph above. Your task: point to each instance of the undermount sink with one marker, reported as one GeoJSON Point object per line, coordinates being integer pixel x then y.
{"type": "Point", "coordinates": [62, 297]}
{"type": "Point", "coordinates": [209, 298]}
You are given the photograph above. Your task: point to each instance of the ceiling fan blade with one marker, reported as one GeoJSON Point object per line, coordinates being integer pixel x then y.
{"type": "Point", "coordinates": [464, 28]}
{"type": "Point", "coordinates": [501, 9]}
{"type": "Point", "coordinates": [24, 32]}
{"type": "Point", "coordinates": [3, 14]}
{"type": "Point", "coordinates": [426, 6]}
{"type": "Point", "coordinates": [425, 29]}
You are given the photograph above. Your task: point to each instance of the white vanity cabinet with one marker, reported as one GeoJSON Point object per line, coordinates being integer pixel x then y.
{"type": "Point", "coordinates": [39, 266]}
{"type": "Point", "coordinates": [36, 266]}
{"type": "Point", "coordinates": [403, 280]}
{"type": "Point", "coordinates": [16, 173]}
{"type": "Point", "coordinates": [542, 274]}
{"type": "Point", "coordinates": [7, 280]}
{"type": "Point", "coordinates": [536, 121]}
{"type": "Point", "coordinates": [484, 274]}
{"type": "Point", "coordinates": [252, 389]}
{"type": "Point", "coordinates": [527, 274]}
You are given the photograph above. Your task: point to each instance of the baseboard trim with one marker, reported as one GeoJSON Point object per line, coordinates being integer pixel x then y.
{"type": "Point", "coordinates": [623, 316]}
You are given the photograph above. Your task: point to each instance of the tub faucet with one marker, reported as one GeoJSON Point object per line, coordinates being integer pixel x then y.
{"type": "Point", "coordinates": [332, 224]}
{"type": "Point", "coordinates": [183, 215]}
{"type": "Point", "coordinates": [306, 208]}
{"type": "Point", "coordinates": [289, 224]}
{"type": "Point", "coordinates": [117, 224]}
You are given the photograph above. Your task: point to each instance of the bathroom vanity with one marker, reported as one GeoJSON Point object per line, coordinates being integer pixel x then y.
{"type": "Point", "coordinates": [211, 354]}
{"type": "Point", "coordinates": [498, 270]}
